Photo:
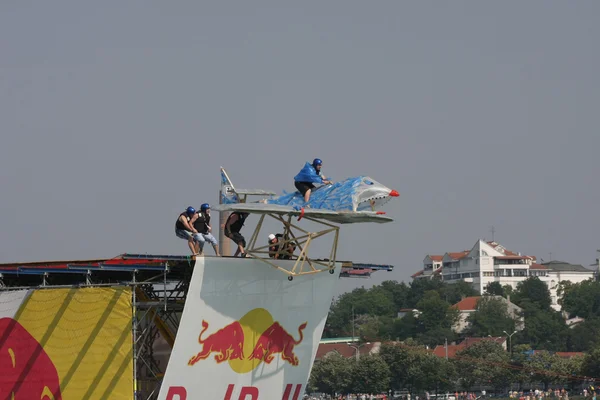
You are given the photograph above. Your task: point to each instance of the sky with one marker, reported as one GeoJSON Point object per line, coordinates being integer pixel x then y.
{"type": "Point", "coordinates": [116, 116]}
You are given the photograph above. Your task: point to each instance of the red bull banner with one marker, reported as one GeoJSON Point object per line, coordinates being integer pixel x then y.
{"type": "Point", "coordinates": [61, 344]}
{"type": "Point", "coordinates": [247, 332]}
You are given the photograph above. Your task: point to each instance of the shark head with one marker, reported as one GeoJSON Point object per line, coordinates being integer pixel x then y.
{"type": "Point", "coordinates": [370, 194]}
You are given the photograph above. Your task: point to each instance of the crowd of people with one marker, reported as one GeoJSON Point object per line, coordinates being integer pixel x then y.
{"type": "Point", "coordinates": [194, 225]}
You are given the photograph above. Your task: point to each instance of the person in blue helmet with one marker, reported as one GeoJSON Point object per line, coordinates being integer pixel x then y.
{"type": "Point", "coordinates": [185, 230]}
{"type": "Point", "coordinates": [201, 222]}
{"type": "Point", "coordinates": [308, 176]}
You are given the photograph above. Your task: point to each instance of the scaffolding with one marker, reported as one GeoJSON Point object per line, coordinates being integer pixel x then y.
{"type": "Point", "coordinates": [159, 286]}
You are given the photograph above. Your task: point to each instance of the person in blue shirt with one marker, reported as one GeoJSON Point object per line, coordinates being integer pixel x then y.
{"type": "Point", "coordinates": [308, 176]}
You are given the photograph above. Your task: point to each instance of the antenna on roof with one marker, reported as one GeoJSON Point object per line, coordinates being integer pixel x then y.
{"type": "Point", "coordinates": [493, 230]}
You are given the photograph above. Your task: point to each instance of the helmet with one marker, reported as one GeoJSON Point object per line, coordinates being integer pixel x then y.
{"type": "Point", "coordinates": [190, 210]}
{"type": "Point", "coordinates": [271, 236]}
{"type": "Point", "coordinates": [204, 206]}
{"type": "Point", "coordinates": [317, 161]}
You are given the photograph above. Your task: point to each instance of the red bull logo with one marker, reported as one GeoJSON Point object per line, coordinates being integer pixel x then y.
{"type": "Point", "coordinates": [257, 331]}
{"type": "Point", "coordinates": [227, 342]}
{"type": "Point", "coordinates": [26, 370]}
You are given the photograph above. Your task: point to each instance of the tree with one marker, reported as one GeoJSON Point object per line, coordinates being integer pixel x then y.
{"type": "Point", "coordinates": [484, 363]}
{"type": "Point", "coordinates": [490, 318]}
{"type": "Point", "coordinates": [494, 289]}
{"type": "Point", "coordinates": [544, 330]}
{"type": "Point", "coordinates": [520, 354]}
{"type": "Point", "coordinates": [435, 312]}
{"type": "Point", "coordinates": [370, 375]}
{"type": "Point", "coordinates": [435, 320]}
{"type": "Point", "coordinates": [455, 292]}
{"type": "Point", "coordinates": [399, 292]}
{"type": "Point", "coordinates": [533, 291]}
{"type": "Point", "coordinates": [581, 299]}
{"type": "Point", "coordinates": [332, 374]}
{"type": "Point", "coordinates": [373, 302]}
{"type": "Point", "coordinates": [584, 336]}
{"type": "Point", "coordinates": [412, 366]}
{"type": "Point", "coordinates": [546, 368]}
{"type": "Point", "coordinates": [418, 287]}
{"type": "Point", "coordinates": [591, 363]}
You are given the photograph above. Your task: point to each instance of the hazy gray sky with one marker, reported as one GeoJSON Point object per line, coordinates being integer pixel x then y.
{"type": "Point", "coordinates": [117, 115]}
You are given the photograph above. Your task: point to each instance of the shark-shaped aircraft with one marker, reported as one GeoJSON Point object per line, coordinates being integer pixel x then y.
{"type": "Point", "coordinates": [352, 200]}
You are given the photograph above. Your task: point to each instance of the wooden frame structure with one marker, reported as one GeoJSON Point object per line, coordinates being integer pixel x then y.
{"type": "Point", "coordinates": [301, 239]}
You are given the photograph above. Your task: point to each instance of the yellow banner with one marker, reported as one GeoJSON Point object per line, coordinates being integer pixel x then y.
{"type": "Point", "coordinates": [85, 334]}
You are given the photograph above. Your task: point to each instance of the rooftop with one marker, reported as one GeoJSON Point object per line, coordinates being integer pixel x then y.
{"type": "Point", "coordinates": [467, 304]}
{"type": "Point", "coordinates": [565, 266]}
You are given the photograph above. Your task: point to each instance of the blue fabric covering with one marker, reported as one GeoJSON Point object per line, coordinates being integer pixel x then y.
{"type": "Point", "coordinates": [337, 196]}
{"type": "Point", "coordinates": [308, 174]}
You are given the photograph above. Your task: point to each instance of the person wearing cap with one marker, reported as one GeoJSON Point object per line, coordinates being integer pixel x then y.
{"type": "Point", "coordinates": [201, 222]}
{"type": "Point", "coordinates": [308, 176]}
{"type": "Point", "coordinates": [275, 250]}
{"type": "Point", "coordinates": [185, 230]}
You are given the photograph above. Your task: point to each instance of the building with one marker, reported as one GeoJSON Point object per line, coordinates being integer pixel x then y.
{"type": "Point", "coordinates": [488, 262]}
{"type": "Point", "coordinates": [468, 305]}
{"type": "Point", "coordinates": [346, 350]}
{"type": "Point", "coordinates": [450, 350]}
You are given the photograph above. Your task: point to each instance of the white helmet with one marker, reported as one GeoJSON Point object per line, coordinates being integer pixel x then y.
{"type": "Point", "coordinates": [271, 236]}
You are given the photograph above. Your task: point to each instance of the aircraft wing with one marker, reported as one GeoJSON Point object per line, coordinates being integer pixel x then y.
{"type": "Point", "coordinates": [340, 217]}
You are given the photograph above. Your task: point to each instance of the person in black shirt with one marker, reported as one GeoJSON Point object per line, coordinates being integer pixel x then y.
{"type": "Point", "coordinates": [185, 230]}
{"type": "Point", "coordinates": [201, 222]}
{"type": "Point", "coordinates": [276, 248]}
{"type": "Point", "coordinates": [234, 224]}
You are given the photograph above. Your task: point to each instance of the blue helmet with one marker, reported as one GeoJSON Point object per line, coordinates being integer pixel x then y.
{"type": "Point", "coordinates": [204, 207]}
{"type": "Point", "coordinates": [190, 210]}
{"type": "Point", "coordinates": [317, 161]}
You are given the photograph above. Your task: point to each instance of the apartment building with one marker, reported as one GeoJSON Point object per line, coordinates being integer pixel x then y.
{"type": "Point", "coordinates": [489, 262]}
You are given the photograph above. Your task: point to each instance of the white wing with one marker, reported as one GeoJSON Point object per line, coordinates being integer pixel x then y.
{"type": "Point", "coordinates": [340, 217]}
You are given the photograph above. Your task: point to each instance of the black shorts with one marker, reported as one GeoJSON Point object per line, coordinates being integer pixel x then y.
{"type": "Point", "coordinates": [236, 237]}
{"type": "Point", "coordinates": [303, 186]}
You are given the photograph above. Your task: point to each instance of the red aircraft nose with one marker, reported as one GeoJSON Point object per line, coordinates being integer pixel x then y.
{"type": "Point", "coordinates": [394, 193]}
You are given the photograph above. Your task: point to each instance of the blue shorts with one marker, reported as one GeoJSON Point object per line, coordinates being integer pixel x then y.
{"type": "Point", "coordinates": [205, 237]}
{"type": "Point", "coordinates": [183, 234]}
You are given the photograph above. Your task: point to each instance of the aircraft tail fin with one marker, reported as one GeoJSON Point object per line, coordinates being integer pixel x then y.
{"type": "Point", "coordinates": [228, 194]}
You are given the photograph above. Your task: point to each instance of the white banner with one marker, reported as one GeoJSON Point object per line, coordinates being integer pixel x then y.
{"type": "Point", "coordinates": [247, 332]}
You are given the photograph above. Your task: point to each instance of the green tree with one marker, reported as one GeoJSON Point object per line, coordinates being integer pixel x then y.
{"type": "Point", "coordinates": [399, 292]}
{"type": "Point", "coordinates": [373, 302]}
{"type": "Point", "coordinates": [412, 366]}
{"type": "Point", "coordinates": [494, 289]}
{"type": "Point", "coordinates": [591, 363]}
{"type": "Point", "coordinates": [435, 312]}
{"type": "Point", "coordinates": [455, 292]}
{"type": "Point", "coordinates": [544, 330]}
{"type": "Point", "coordinates": [332, 374]}
{"type": "Point", "coordinates": [490, 317]}
{"type": "Point", "coordinates": [370, 375]}
{"type": "Point", "coordinates": [533, 291]}
{"type": "Point", "coordinates": [581, 299]}
{"type": "Point", "coordinates": [546, 368]}
{"type": "Point", "coordinates": [520, 354]}
{"type": "Point", "coordinates": [484, 363]}
{"type": "Point", "coordinates": [573, 371]}
{"type": "Point", "coordinates": [406, 327]}
{"type": "Point", "coordinates": [398, 356]}
{"type": "Point", "coordinates": [584, 336]}
{"type": "Point", "coordinates": [436, 318]}
{"type": "Point", "coordinates": [418, 287]}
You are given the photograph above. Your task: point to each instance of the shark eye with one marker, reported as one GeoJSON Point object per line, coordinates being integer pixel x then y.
{"type": "Point", "coordinates": [368, 182]}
